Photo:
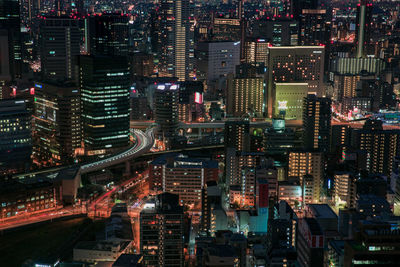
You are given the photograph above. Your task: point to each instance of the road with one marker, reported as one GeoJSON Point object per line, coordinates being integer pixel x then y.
{"type": "Point", "coordinates": [101, 207]}
{"type": "Point", "coordinates": [144, 142]}
{"type": "Point", "coordinates": [26, 218]}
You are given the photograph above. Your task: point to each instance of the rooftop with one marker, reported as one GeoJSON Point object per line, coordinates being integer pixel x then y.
{"type": "Point", "coordinates": [322, 211]}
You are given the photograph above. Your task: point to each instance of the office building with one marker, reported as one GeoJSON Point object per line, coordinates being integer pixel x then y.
{"type": "Point", "coordinates": [376, 243]}
{"type": "Point", "coordinates": [100, 251]}
{"type": "Point", "coordinates": [363, 32]}
{"type": "Point", "coordinates": [287, 64]}
{"type": "Point", "coordinates": [256, 51]}
{"type": "Point", "coordinates": [15, 136]}
{"type": "Point", "coordinates": [226, 29]}
{"type": "Point", "coordinates": [27, 197]}
{"type": "Point", "coordinates": [279, 139]}
{"type": "Point", "coordinates": [10, 40]}
{"type": "Point", "coordinates": [277, 31]}
{"type": "Point", "coordinates": [289, 99]}
{"type": "Point", "coordinates": [107, 35]}
{"type": "Point", "coordinates": [299, 5]}
{"type": "Point", "coordinates": [60, 48]}
{"type": "Point", "coordinates": [302, 163]}
{"type": "Point", "coordinates": [142, 64]}
{"type": "Point", "coordinates": [325, 216]}
{"type": "Point", "coordinates": [310, 243]}
{"type": "Point", "coordinates": [57, 125]}
{"type": "Point", "coordinates": [161, 232]}
{"type": "Point", "coordinates": [381, 145]}
{"type": "Point", "coordinates": [371, 206]}
{"type": "Point", "coordinates": [317, 123]}
{"type": "Point", "coordinates": [245, 96]}
{"type": "Point", "coordinates": [166, 97]}
{"type": "Point", "coordinates": [175, 39]}
{"type": "Point", "coordinates": [183, 176]}
{"type": "Point", "coordinates": [29, 10]}
{"type": "Point", "coordinates": [104, 87]}
{"type": "Point", "coordinates": [314, 27]}
{"type": "Point", "coordinates": [348, 65]}
{"type": "Point", "coordinates": [191, 104]}
{"type": "Point", "coordinates": [215, 60]}
{"type": "Point", "coordinates": [373, 184]}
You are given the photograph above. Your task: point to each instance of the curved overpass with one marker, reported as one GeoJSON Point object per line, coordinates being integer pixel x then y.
{"type": "Point", "coordinates": [144, 142]}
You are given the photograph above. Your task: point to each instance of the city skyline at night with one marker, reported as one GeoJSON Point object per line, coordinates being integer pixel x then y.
{"type": "Point", "coordinates": [244, 133]}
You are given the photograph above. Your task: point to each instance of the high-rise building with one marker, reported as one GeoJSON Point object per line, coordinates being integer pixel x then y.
{"type": "Point", "coordinates": [107, 35]}
{"type": "Point", "coordinates": [310, 243]}
{"type": "Point", "coordinates": [303, 163]}
{"type": "Point", "coordinates": [308, 189]}
{"type": "Point", "coordinates": [340, 137]}
{"type": "Point", "coordinates": [363, 34]}
{"type": "Point", "coordinates": [237, 135]}
{"type": "Point", "coordinates": [287, 64]}
{"type": "Point", "coordinates": [299, 5]}
{"type": "Point", "coordinates": [241, 175]}
{"type": "Point", "coordinates": [376, 243]}
{"type": "Point", "coordinates": [226, 29]}
{"type": "Point", "coordinates": [289, 98]}
{"type": "Point", "coordinates": [279, 139]}
{"type": "Point", "coordinates": [349, 65]}
{"type": "Point", "coordinates": [317, 123]}
{"type": "Point", "coordinates": [10, 40]}
{"type": "Point", "coordinates": [175, 39]}
{"type": "Point", "coordinates": [345, 189]}
{"type": "Point", "coordinates": [15, 136]}
{"type": "Point", "coordinates": [60, 48]}
{"type": "Point", "coordinates": [57, 125]}
{"type": "Point", "coordinates": [215, 60]}
{"type": "Point", "coordinates": [104, 86]}
{"type": "Point", "coordinates": [210, 201]}
{"type": "Point", "coordinates": [29, 10]}
{"type": "Point", "coordinates": [191, 104]}
{"type": "Point", "coordinates": [314, 27]}
{"type": "Point", "coordinates": [345, 86]}
{"type": "Point", "coordinates": [256, 50]}
{"type": "Point", "coordinates": [245, 95]}
{"type": "Point", "coordinates": [381, 145]}
{"type": "Point", "coordinates": [166, 99]}
{"type": "Point", "coordinates": [161, 232]}
{"type": "Point", "coordinates": [178, 174]}
{"type": "Point", "coordinates": [277, 31]}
